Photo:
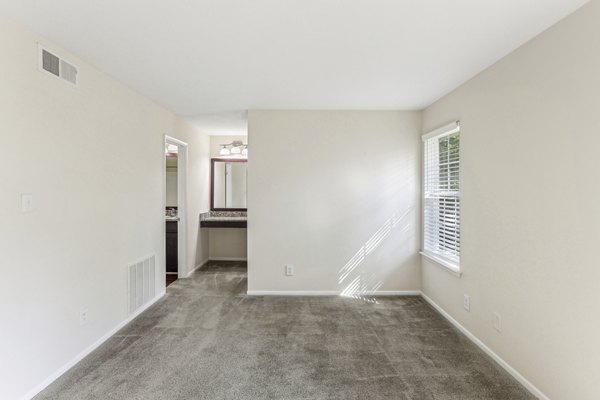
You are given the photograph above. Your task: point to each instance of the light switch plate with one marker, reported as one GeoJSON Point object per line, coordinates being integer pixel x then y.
{"type": "Point", "coordinates": [289, 270]}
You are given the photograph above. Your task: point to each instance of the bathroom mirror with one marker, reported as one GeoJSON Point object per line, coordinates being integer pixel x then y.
{"type": "Point", "coordinates": [228, 184]}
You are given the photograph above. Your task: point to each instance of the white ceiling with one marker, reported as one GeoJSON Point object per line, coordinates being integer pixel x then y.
{"type": "Point", "coordinates": [210, 59]}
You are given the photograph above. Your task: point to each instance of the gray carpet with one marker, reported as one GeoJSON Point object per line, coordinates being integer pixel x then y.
{"type": "Point", "coordinates": [208, 340]}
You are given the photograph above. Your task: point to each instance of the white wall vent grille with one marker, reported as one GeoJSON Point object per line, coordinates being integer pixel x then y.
{"type": "Point", "coordinates": [56, 66]}
{"type": "Point", "coordinates": [142, 283]}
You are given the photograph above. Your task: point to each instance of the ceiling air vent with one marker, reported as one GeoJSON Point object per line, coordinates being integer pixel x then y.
{"type": "Point", "coordinates": [56, 66]}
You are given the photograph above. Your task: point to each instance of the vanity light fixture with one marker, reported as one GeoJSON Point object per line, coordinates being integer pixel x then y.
{"type": "Point", "coordinates": [171, 149]}
{"type": "Point", "coordinates": [236, 148]}
{"type": "Point", "coordinates": [224, 150]}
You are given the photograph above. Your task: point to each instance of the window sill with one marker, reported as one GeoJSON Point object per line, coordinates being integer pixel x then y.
{"type": "Point", "coordinates": [445, 265]}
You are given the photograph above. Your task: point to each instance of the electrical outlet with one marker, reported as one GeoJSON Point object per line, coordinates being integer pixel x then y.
{"type": "Point", "coordinates": [26, 202]}
{"type": "Point", "coordinates": [289, 270]}
{"type": "Point", "coordinates": [497, 322]}
{"type": "Point", "coordinates": [467, 302]}
{"type": "Point", "coordinates": [83, 317]}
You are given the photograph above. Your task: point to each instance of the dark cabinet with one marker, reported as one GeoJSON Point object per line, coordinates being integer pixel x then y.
{"type": "Point", "coordinates": [171, 246]}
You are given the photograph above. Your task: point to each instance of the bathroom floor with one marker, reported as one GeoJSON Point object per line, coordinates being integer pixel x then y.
{"type": "Point", "coordinates": [207, 340]}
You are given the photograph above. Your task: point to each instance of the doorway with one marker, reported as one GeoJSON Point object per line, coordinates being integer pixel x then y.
{"type": "Point", "coordinates": [175, 209]}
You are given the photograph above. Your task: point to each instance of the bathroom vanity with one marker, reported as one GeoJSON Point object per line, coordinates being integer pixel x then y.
{"type": "Point", "coordinates": [171, 244]}
{"type": "Point", "coordinates": [225, 225]}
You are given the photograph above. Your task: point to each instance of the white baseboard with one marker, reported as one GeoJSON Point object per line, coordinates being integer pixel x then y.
{"type": "Point", "coordinates": [228, 259]}
{"type": "Point", "coordinates": [331, 293]}
{"type": "Point", "coordinates": [197, 267]}
{"type": "Point", "coordinates": [292, 293]}
{"type": "Point", "coordinates": [54, 376]}
{"type": "Point", "coordinates": [515, 374]}
{"type": "Point", "coordinates": [384, 293]}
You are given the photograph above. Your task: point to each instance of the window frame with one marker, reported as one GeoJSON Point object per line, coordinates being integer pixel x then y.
{"type": "Point", "coordinates": [448, 264]}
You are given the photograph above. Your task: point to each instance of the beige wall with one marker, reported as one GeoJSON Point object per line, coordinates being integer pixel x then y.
{"type": "Point", "coordinates": [227, 243]}
{"type": "Point", "coordinates": [93, 158]}
{"type": "Point", "coordinates": [530, 216]}
{"type": "Point", "coordinates": [336, 194]}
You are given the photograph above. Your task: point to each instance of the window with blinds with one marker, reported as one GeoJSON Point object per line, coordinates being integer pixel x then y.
{"type": "Point", "coordinates": [441, 192]}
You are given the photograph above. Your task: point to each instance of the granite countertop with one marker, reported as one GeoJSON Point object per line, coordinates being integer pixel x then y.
{"type": "Point", "coordinates": [224, 216]}
{"type": "Point", "coordinates": [223, 219]}
{"type": "Point", "coordinates": [167, 218]}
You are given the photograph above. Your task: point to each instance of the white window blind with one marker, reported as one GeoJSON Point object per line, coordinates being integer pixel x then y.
{"type": "Point", "coordinates": [441, 192]}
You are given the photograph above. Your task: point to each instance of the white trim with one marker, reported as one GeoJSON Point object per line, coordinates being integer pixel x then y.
{"type": "Point", "coordinates": [332, 293]}
{"type": "Point", "coordinates": [515, 374]}
{"type": "Point", "coordinates": [197, 267]}
{"type": "Point", "coordinates": [445, 265]}
{"type": "Point", "coordinates": [228, 258]}
{"type": "Point", "coordinates": [54, 376]}
{"type": "Point", "coordinates": [442, 131]}
{"type": "Point", "coordinates": [176, 142]}
{"type": "Point", "coordinates": [384, 293]}
{"type": "Point", "coordinates": [292, 293]}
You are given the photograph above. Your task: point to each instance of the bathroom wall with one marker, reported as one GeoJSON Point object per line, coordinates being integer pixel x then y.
{"type": "Point", "coordinates": [171, 181]}
{"type": "Point", "coordinates": [227, 243]}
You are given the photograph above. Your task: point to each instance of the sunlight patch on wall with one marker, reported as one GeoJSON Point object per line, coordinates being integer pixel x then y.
{"type": "Point", "coordinates": [360, 283]}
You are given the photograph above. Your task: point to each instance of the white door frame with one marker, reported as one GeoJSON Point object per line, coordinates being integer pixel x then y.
{"type": "Point", "coordinates": [182, 154]}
